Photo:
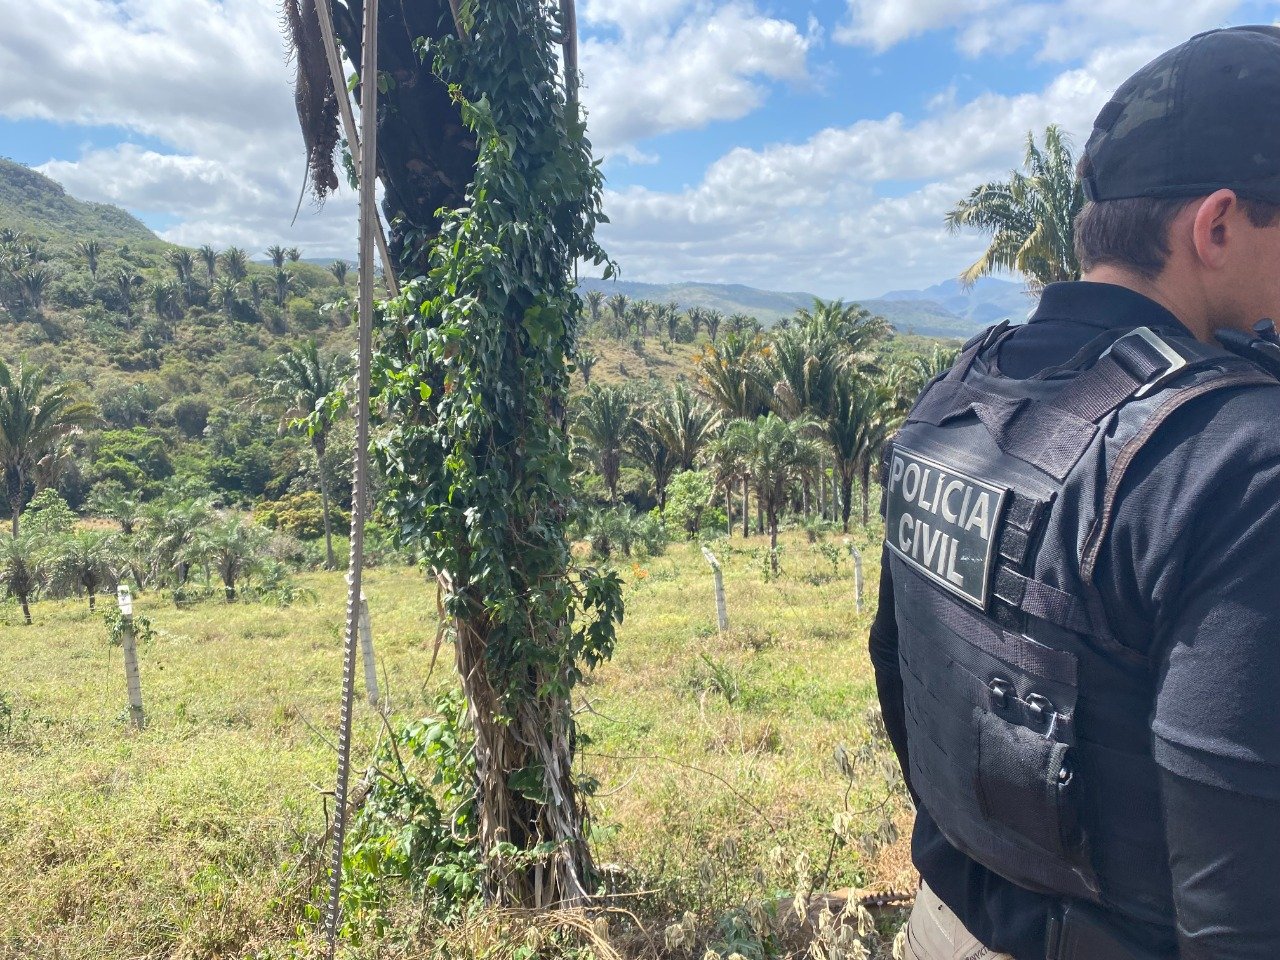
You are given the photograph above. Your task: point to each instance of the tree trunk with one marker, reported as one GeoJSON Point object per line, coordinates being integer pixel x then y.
{"type": "Point", "coordinates": [329, 563]}
{"type": "Point", "coordinates": [773, 539]}
{"type": "Point", "coordinates": [746, 512]}
{"type": "Point", "coordinates": [26, 611]}
{"type": "Point", "coordinates": [728, 511]}
{"type": "Point", "coordinates": [426, 160]}
{"type": "Point", "coordinates": [759, 515]}
{"type": "Point", "coordinates": [16, 482]}
{"type": "Point", "coordinates": [93, 600]}
{"type": "Point", "coordinates": [866, 492]}
{"type": "Point", "coordinates": [525, 741]}
{"type": "Point", "coordinates": [846, 495]}
{"type": "Point", "coordinates": [229, 586]}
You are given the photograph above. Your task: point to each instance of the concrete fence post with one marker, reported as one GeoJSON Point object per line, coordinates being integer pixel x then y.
{"type": "Point", "coordinates": [132, 679]}
{"type": "Point", "coordinates": [857, 573]}
{"type": "Point", "coordinates": [722, 610]}
{"type": "Point", "coordinates": [366, 652]}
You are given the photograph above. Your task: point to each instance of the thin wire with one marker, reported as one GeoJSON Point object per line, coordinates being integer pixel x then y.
{"type": "Point", "coordinates": [360, 479]}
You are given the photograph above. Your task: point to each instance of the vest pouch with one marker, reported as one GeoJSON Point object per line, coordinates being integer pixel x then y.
{"type": "Point", "coordinates": [1025, 784]}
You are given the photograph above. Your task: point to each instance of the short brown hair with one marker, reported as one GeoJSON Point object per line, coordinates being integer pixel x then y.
{"type": "Point", "coordinates": [1134, 234]}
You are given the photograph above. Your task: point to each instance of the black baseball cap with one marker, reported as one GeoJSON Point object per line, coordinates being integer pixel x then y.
{"type": "Point", "coordinates": [1202, 117]}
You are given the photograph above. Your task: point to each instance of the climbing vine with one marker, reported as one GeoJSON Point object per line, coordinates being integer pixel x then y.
{"type": "Point", "coordinates": [471, 387]}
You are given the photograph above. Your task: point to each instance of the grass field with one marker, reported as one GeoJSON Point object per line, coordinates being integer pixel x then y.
{"type": "Point", "coordinates": [715, 752]}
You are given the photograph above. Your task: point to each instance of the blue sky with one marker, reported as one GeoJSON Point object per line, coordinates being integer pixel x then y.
{"type": "Point", "coordinates": [789, 144]}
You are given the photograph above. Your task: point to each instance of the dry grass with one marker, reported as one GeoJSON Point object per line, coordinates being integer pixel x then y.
{"type": "Point", "coordinates": [714, 752]}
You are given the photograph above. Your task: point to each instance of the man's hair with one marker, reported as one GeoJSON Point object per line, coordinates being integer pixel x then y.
{"type": "Point", "coordinates": [1133, 234]}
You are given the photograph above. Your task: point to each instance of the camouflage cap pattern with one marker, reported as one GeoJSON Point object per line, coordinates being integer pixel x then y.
{"type": "Point", "coordinates": [1202, 117]}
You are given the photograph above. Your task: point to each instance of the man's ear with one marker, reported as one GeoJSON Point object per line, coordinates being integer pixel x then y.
{"type": "Point", "coordinates": [1211, 230]}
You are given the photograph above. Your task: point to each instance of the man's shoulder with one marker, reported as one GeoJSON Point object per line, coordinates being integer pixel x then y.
{"type": "Point", "coordinates": [1224, 429]}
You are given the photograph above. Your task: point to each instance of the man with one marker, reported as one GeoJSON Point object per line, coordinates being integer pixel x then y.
{"type": "Point", "coordinates": [1078, 644]}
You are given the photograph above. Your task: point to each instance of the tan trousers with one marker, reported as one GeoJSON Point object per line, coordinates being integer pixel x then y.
{"type": "Point", "coordinates": [935, 933]}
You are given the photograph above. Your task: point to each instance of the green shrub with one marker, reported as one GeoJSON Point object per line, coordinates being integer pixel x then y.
{"type": "Point", "coordinates": [689, 503]}
{"type": "Point", "coordinates": [48, 516]}
{"type": "Point", "coordinates": [300, 515]}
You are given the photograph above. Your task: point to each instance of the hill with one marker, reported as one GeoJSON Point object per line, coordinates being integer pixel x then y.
{"type": "Point", "coordinates": [948, 309]}
{"type": "Point", "coordinates": [767, 306]}
{"type": "Point", "coordinates": [943, 310]}
{"type": "Point", "coordinates": [171, 350]}
{"type": "Point", "coordinates": [32, 203]}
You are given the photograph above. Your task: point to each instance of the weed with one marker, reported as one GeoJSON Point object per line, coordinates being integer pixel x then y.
{"type": "Point", "coordinates": [716, 676]}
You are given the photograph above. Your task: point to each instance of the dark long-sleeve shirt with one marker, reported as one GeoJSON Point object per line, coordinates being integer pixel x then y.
{"type": "Point", "coordinates": [1191, 574]}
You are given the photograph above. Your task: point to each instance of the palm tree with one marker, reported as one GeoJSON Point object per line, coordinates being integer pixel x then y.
{"type": "Point", "coordinates": [284, 283]}
{"type": "Point", "coordinates": [85, 560]}
{"type": "Point", "coordinates": [730, 375]}
{"type": "Point", "coordinates": [585, 361]}
{"type": "Point", "coordinates": [779, 452]}
{"type": "Point", "coordinates": [727, 457]}
{"type": "Point", "coordinates": [602, 426]}
{"type": "Point", "coordinates": [697, 317]}
{"type": "Point", "coordinates": [184, 265]}
{"type": "Point", "coordinates": [111, 501]}
{"type": "Point", "coordinates": [209, 257]}
{"type": "Point", "coordinates": [228, 295]}
{"type": "Point", "coordinates": [686, 424]}
{"type": "Point", "coordinates": [91, 250]}
{"type": "Point", "coordinates": [311, 388]}
{"type": "Point", "coordinates": [257, 292]}
{"type": "Point", "coordinates": [339, 270]}
{"type": "Point", "coordinates": [645, 442]}
{"type": "Point", "coordinates": [294, 254]}
{"type": "Point", "coordinates": [127, 284]}
{"type": "Point", "coordinates": [277, 255]}
{"type": "Point", "coordinates": [641, 312]}
{"type": "Point", "coordinates": [233, 547]}
{"type": "Point", "coordinates": [172, 531]}
{"type": "Point", "coordinates": [21, 570]}
{"type": "Point", "coordinates": [880, 416]}
{"type": "Point", "coordinates": [32, 284]}
{"type": "Point", "coordinates": [909, 378]}
{"type": "Point", "coordinates": [845, 430]}
{"type": "Point", "coordinates": [1030, 216]}
{"type": "Point", "coordinates": [235, 262]}
{"type": "Point", "coordinates": [670, 317]}
{"type": "Point", "coordinates": [34, 418]}
{"type": "Point", "coordinates": [619, 304]}
{"type": "Point", "coordinates": [164, 300]}
{"type": "Point", "coordinates": [713, 319]}
{"type": "Point", "coordinates": [595, 302]}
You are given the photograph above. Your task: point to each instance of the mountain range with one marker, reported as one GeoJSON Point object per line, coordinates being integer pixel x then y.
{"type": "Point", "coordinates": [945, 309]}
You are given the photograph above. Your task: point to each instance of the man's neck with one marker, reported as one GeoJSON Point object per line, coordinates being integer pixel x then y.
{"type": "Point", "coordinates": [1164, 294]}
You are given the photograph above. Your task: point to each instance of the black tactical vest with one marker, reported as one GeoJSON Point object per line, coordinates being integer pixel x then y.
{"type": "Point", "coordinates": [1029, 723]}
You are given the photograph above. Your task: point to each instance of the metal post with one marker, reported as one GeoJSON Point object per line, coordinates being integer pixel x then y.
{"type": "Point", "coordinates": [132, 679]}
{"type": "Point", "coordinates": [857, 573]}
{"type": "Point", "coordinates": [369, 227]}
{"type": "Point", "coordinates": [722, 610]}
{"type": "Point", "coordinates": [366, 651]}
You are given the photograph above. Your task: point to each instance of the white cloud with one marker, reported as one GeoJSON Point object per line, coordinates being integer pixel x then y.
{"type": "Point", "coordinates": [667, 72]}
{"type": "Point", "coordinates": [882, 23]}
{"type": "Point", "coordinates": [1061, 30]}
{"type": "Point", "coordinates": [207, 78]}
{"type": "Point", "coordinates": [815, 215]}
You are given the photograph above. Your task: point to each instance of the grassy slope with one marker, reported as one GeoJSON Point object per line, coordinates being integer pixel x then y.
{"type": "Point", "coordinates": [31, 202]}
{"type": "Point", "coordinates": [177, 843]}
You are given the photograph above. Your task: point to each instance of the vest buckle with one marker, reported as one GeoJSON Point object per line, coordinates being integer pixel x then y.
{"type": "Point", "coordinates": [1176, 361]}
